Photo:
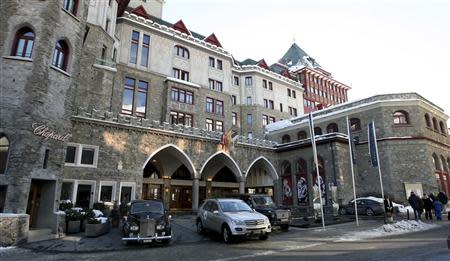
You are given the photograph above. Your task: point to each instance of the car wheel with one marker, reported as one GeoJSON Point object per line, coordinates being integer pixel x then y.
{"type": "Point", "coordinates": [200, 229]}
{"type": "Point", "coordinates": [342, 211]}
{"type": "Point", "coordinates": [264, 237]}
{"type": "Point", "coordinates": [369, 212]}
{"type": "Point", "coordinates": [284, 227]}
{"type": "Point", "coordinates": [226, 235]}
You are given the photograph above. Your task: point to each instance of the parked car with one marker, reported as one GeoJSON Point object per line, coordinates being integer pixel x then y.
{"type": "Point", "coordinates": [147, 221]}
{"type": "Point", "coordinates": [232, 218]}
{"type": "Point", "coordinates": [318, 213]}
{"type": "Point", "coordinates": [264, 204]}
{"type": "Point", "coordinates": [365, 206]}
{"type": "Point", "coordinates": [448, 237]}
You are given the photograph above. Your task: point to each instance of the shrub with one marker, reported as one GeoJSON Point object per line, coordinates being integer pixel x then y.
{"type": "Point", "coordinates": [73, 215]}
{"type": "Point", "coordinates": [65, 206]}
{"type": "Point", "coordinates": [100, 206]}
{"type": "Point", "coordinates": [93, 221]}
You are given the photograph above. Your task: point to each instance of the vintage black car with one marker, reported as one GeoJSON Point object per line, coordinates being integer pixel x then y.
{"type": "Point", "coordinates": [265, 205]}
{"type": "Point", "coordinates": [147, 221]}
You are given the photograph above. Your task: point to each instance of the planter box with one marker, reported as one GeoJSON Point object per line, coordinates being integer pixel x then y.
{"type": "Point", "coordinates": [73, 226]}
{"type": "Point", "coordinates": [95, 230]}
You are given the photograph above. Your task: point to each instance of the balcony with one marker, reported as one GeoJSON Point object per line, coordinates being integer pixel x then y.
{"type": "Point", "coordinates": [107, 64]}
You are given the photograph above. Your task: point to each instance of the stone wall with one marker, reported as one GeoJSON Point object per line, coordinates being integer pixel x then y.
{"type": "Point", "coordinates": [13, 229]}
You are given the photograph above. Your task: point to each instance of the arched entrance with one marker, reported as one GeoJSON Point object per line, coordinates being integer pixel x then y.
{"type": "Point", "coordinates": [168, 175]}
{"type": "Point", "coordinates": [220, 176]}
{"type": "Point", "coordinates": [260, 177]}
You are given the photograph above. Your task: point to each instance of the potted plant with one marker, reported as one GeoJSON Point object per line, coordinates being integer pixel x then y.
{"type": "Point", "coordinates": [73, 218]}
{"type": "Point", "coordinates": [96, 226]}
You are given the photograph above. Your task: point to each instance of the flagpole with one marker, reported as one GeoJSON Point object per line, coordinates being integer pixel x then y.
{"type": "Point", "coordinates": [313, 142]}
{"type": "Point", "coordinates": [379, 167]}
{"type": "Point", "coordinates": [351, 167]}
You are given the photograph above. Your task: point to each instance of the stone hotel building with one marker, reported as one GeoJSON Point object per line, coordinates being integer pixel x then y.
{"type": "Point", "coordinates": [104, 101]}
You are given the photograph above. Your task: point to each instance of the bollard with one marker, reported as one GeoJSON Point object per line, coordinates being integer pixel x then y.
{"type": "Point", "coordinates": [407, 214]}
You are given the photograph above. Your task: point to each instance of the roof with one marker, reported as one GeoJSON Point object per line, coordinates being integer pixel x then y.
{"type": "Point", "coordinates": [296, 56]}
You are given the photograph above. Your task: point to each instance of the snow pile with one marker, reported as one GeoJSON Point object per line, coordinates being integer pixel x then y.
{"type": "Point", "coordinates": [97, 213]}
{"type": "Point", "coordinates": [102, 220]}
{"type": "Point", "coordinates": [6, 248]}
{"type": "Point", "coordinates": [397, 228]}
{"type": "Point", "coordinates": [278, 125]}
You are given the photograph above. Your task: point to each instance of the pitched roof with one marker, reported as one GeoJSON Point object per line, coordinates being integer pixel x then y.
{"type": "Point", "coordinates": [212, 39]}
{"type": "Point", "coordinates": [140, 10]}
{"type": "Point", "coordinates": [181, 27]}
{"type": "Point", "coordinates": [296, 56]}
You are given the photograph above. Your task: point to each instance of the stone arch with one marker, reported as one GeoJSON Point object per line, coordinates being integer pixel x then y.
{"type": "Point", "coordinates": [172, 152]}
{"type": "Point", "coordinates": [266, 163]}
{"type": "Point", "coordinates": [220, 159]}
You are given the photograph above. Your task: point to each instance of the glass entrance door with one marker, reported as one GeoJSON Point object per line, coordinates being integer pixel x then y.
{"type": "Point", "coordinates": [180, 197]}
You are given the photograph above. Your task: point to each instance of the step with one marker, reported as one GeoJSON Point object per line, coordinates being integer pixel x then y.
{"type": "Point", "coordinates": [41, 234]}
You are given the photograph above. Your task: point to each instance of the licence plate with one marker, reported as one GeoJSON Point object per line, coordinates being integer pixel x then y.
{"type": "Point", "coordinates": [284, 219]}
{"type": "Point", "coordinates": [147, 240]}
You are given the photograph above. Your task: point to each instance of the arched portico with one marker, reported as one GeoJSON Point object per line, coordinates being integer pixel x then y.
{"type": "Point", "coordinates": [220, 175]}
{"type": "Point", "coordinates": [169, 174]}
{"type": "Point", "coordinates": [261, 177]}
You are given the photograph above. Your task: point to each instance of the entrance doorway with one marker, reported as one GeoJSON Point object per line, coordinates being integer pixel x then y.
{"type": "Point", "coordinates": [40, 205]}
{"type": "Point", "coordinates": [83, 199]}
{"type": "Point", "coordinates": [181, 197]}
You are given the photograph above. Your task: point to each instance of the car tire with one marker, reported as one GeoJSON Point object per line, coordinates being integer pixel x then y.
{"type": "Point", "coordinates": [226, 235]}
{"type": "Point", "coordinates": [200, 228]}
{"type": "Point", "coordinates": [342, 211]}
{"type": "Point", "coordinates": [264, 237]}
{"type": "Point", "coordinates": [284, 227]}
{"type": "Point", "coordinates": [369, 212]}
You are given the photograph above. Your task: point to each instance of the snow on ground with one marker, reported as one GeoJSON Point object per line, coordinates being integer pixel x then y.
{"type": "Point", "coordinates": [397, 228]}
{"type": "Point", "coordinates": [6, 248]}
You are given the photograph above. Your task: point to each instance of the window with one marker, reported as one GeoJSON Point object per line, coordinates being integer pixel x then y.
{"type": "Point", "coordinates": [4, 150]}
{"type": "Point", "coordinates": [281, 107]}
{"type": "Point", "coordinates": [234, 118]}
{"type": "Point", "coordinates": [442, 126]}
{"type": "Point", "coordinates": [138, 105]}
{"type": "Point", "coordinates": [81, 155]}
{"type": "Point", "coordinates": [249, 119]}
{"type": "Point", "coordinates": [107, 191]}
{"type": "Point", "coordinates": [219, 86]}
{"type": "Point", "coordinates": [180, 95]}
{"type": "Point", "coordinates": [71, 6]}
{"type": "Point", "coordinates": [233, 99]}
{"type": "Point", "coordinates": [181, 52]}
{"type": "Point", "coordinates": [145, 50]}
{"type": "Point", "coordinates": [180, 74]}
{"type": "Point", "coordinates": [3, 189]}
{"type": "Point", "coordinates": [289, 92]}
{"type": "Point", "coordinates": [332, 127]}
{"type": "Point", "coordinates": [210, 105]}
{"type": "Point", "coordinates": [286, 138]}
{"type": "Point", "coordinates": [236, 80]}
{"type": "Point", "coordinates": [104, 50]}
{"type": "Point", "coordinates": [209, 125]}
{"type": "Point", "coordinates": [301, 135]}
{"type": "Point", "coordinates": [355, 124]}
{"type": "Point", "coordinates": [264, 82]}
{"type": "Point", "coordinates": [427, 120]}
{"type": "Point", "coordinates": [249, 100]}
{"type": "Point", "coordinates": [435, 125]}
{"type": "Point", "coordinates": [134, 47]}
{"type": "Point", "coordinates": [270, 86]}
{"type": "Point", "coordinates": [436, 162]}
{"type": "Point", "coordinates": [293, 94]}
{"type": "Point", "coordinates": [181, 118]}
{"type": "Point", "coordinates": [212, 62]}
{"type": "Point", "coordinates": [400, 118]}
{"type": "Point", "coordinates": [219, 64]}
{"type": "Point", "coordinates": [219, 107]}
{"type": "Point", "coordinates": [128, 96]}
{"type": "Point", "coordinates": [265, 120]}
{"type": "Point", "coordinates": [248, 81]}
{"type": "Point", "coordinates": [23, 43]}
{"type": "Point", "coordinates": [271, 120]}
{"type": "Point", "coordinates": [61, 55]}
{"type": "Point", "coordinates": [46, 155]}
{"type": "Point", "coordinates": [290, 110]}
{"type": "Point", "coordinates": [107, 25]}
{"type": "Point", "coordinates": [271, 106]}
{"type": "Point", "coordinates": [317, 131]}
{"type": "Point", "coordinates": [266, 103]}
{"type": "Point", "coordinates": [294, 111]}
{"type": "Point", "coordinates": [141, 103]}
{"type": "Point", "coordinates": [219, 126]}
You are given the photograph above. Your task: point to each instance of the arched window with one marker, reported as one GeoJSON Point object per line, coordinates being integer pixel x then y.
{"type": "Point", "coordinates": [355, 124]}
{"type": "Point", "coordinates": [286, 138]}
{"type": "Point", "coordinates": [400, 118]}
{"type": "Point", "coordinates": [427, 120]}
{"type": "Point", "coordinates": [286, 168]}
{"type": "Point", "coordinates": [4, 149]}
{"type": "Point", "coordinates": [301, 135]}
{"type": "Point", "coordinates": [301, 166]}
{"type": "Point", "coordinates": [442, 126]}
{"type": "Point", "coordinates": [435, 124]}
{"type": "Point", "coordinates": [71, 6]}
{"type": "Point", "coordinates": [23, 43]}
{"type": "Point", "coordinates": [317, 131]}
{"type": "Point", "coordinates": [61, 55]}
{"type": "Point", "coordinates": [332, 127]}
{"type": "Point", "coordinates": [436, 162]}
{"type": "Point", "coordinates": [444, 164]}
{"type": "Point", "coordinates": [181, 51]}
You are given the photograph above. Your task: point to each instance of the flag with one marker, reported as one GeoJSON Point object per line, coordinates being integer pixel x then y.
{"type": "Point", "coordinates": [352, 140]}
{"type": "Point", "coordinates": [372, 144]}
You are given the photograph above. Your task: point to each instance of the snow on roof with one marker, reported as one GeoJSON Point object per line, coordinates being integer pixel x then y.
{"type": "Point", "coordinates": [182, 82]}
{"type": "Point", "coordinates": [278, 125]}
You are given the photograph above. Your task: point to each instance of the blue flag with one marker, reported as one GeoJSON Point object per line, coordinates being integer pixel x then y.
{"type": "Point", "coordinates": [372, 145]}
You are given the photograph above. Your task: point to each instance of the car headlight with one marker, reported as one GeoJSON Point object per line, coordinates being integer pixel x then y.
{"type": "Point", "coordinates": [266, 221]}
{"type": "Point", "coordinates": [160, 227]}
{"type": "Point", "coordinates": [238, 222]}
{"type": "Point", "coordinates": [134, 228]}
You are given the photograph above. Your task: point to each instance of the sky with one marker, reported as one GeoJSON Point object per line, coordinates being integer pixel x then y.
{"type": "Point", "coordinates": [375, 46]}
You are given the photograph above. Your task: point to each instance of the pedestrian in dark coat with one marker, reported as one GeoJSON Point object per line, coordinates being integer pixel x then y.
{"type": "Point", "coordinates": [428, 206]}
{"type": "Point", "coordinates": [414, 201]}
{"type": "Point", "coordinates": [437, 209]}
{"type": "Point", "coordinates": [442, 198]}
{"type": "Point", "coordinates": [389, 209]}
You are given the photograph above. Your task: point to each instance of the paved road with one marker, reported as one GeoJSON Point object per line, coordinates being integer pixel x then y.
{"type": "Point", "coordinates": [297, 244]}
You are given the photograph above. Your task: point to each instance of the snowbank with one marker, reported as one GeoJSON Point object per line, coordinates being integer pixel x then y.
{"type": "Point", "coordinates": [102, 220]}
{"type": "Point", "coordinates": [400, 207]}
{"type": "Point", "coordinates": [397, 228]}
{"type": "Point", "coordinates": [6, 248]}
{"type": "Point", "coordinates": [97, 213]}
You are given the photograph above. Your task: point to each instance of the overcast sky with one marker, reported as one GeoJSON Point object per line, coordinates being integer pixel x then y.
{"type": "Point", "coordinates": [375, 46]}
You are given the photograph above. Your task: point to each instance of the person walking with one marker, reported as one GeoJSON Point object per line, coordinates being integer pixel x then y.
{"type": "Point", "coordinates": [442, 198]}
{"type": "Point", "coordinates": [428, 206]}
{"type": "Point", "coordinates": [437, 209]}
{"type": "Point", "coordinates": [389, 209]}
{"type": "Point", "coordinates": [415, 204]}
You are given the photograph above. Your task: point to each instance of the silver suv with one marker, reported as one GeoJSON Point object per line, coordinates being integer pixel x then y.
{"type": "Point", "coordinates": [232, 218]}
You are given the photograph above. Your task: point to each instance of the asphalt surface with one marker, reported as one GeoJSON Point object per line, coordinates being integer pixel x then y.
{"type": "Point", "coordinates": [297, 244]}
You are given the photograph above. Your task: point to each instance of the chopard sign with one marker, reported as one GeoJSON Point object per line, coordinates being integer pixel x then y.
{"type": "Point", "coordinates": [45, 132]}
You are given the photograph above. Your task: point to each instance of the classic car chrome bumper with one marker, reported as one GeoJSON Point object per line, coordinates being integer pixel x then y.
{"type": "Point", "coordinates": [138, 238]}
